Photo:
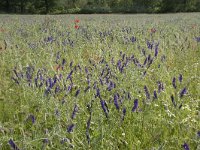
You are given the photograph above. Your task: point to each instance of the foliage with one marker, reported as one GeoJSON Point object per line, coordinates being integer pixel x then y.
{"type": "Point", "coordinates": [98, 6]}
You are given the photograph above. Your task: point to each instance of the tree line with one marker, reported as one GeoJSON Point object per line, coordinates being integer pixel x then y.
{"type": "Point", "coordinates": [97, 6]}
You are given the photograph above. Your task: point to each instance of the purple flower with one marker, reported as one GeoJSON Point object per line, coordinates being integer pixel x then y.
{"type": "Point", "coordinates": [45, 140]}
{"type": "Point", "coordinates": [155, 95]}
{"type": "Point", "coordinates": [135, 105]}
{"type": "Point", "coordinates": [70, 128]}
{"type": "Point", "coordinates": [86, 70]}
{"type": "Point", "coordinates": [116, 101]}
{"type": "Point", "coordinates": [185, 146]}
{"type": "Point", "coordinates": [104, 107]}
{"type": "Point", "coordinates": [129, 96]}
{"type": "Point", "coordinates": [198, 133]}
{"type": "Point", "coordinates": [87, 130]}
{"type": "Point", "coordinates": [63, 62]}
{"type": "Point", "coordinates": [101, 81]}
{"type": "Point", "coordinates": [180, 78]}
{"type": "Point", "coordinates": [197, 39]}
{"type": "Point", "coordinates": [123, 113]}
{"type": "Point", "coordinates": [57, 89]}
{"type": "Point", "coordinates": [149, 45]}
{"type": "Point", "coordinates": [174, 82]}
{"type": "Point", "coordinates": [156, 51]}
{"type": "Point", "coordinates": [145, 61]}
{"type": "Point", "coordinates": [74, 111]}
{"type": "Point", "coordinates": [97, 93]}
{"type": "Point", "coordinates": [77, 92]}
{"type": "Point", "coordinates": [173, 101]}
{"type": "Point", "coordinates": [13, 145]}
{"type": "Point", "coordinates": [32, 118]}
{"type": "Point", "coordinates": [69, 75]}
{"type": "Point", "coordinates": [146, 92]}
{"type": "Point", "coordinates": [71, 63]}
{"type": "Point", "coordinates": [183, 92]}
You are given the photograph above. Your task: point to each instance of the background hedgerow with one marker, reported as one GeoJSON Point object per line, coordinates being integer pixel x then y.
{"type": "Point", "coordinates": [100, 82]}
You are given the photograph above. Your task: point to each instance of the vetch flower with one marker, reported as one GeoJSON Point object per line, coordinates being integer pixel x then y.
{"type": "Point", "coordinates": [135, 105]}
{"type": "Point", "coordinates": [74, 111]}
{"type": "Point", "coordinates": [116, 101]}
{"type": "Point", "coordinates": [185, 146]}
{"type": "Point", "coordinates": [156, 51]}
{"type": "Point", "coordinates": [123, 113]}
{"type": "Point", "coordinates": [32, 118]}
{"type": "Point", "coordinates": [70, 128]}
{"type": "Point", "coordinates": [87, 130]}
{"type": "Point", "coordinates": [197, 39]}
{"type": "Point", "coordinates": [13, 145]}
{"type": "Point", "coordinates": [173, 101]}
{"type": "Point", "coordinates": [174, 82]}
{"type": "Point", "coordinates": [183, 92]}
{"type": "Point", "coordinates": [146, 92]}
{"type": "Point", "coordinates": [104, 107]}
{"type": "Point", "coordinates": [77, 92]}
{"type": "Point", "coordinates": [155, 95]}
{"type": "Point", "coordinates": [180, 78]}
{"type": "Point", "coordinates": [198, 133]}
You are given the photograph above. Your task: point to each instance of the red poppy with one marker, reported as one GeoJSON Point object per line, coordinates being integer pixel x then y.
{"type": "Point", "coordinates": [76, 27]}
{"type": "Point", "coordinates": [76, 20]}
{"type": "Point", "coordinates": [153, 30]}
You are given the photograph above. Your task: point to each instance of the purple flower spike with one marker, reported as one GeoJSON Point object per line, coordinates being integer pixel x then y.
{"type": "Point", "coordinates": [155, 95]}
{"type": "Point", "coordinates": [146, 92]}
{"type": "Point", "coordinates": [87, 130]}
{"type": "Point", "coordinates": [116, 101]}
{"type": "Point", "coordinates": [63, 62]}
{"type": "Point", "coordinates": [124, 113]}
{"type": "Point", "coordinates": [71, 63]}
{"type": "Point", "coordinates": [74, 111]}
{"type": "Point", "coordinates": [174, 82]}
{"type": "Point", "coordinates": [135, 105]}
{"type": "Point", "coordinates": [197, 39]}
{"type": "Point", "coordinates": [185, 146]}
{"type": "Point", "coordinates": [70, 128]}
{"type": "Point", "coordinates": [32, 117]}
{"type": "Point", "coordinates": [198, 133]}
{"type": "Point", "coordinates": [13, 145]}
{"type": "Point", "coordinates": [156, 51]}
{"type": "Point", "coordinates": [104, 107]}
{"type": "Point", "coordinates": [183, 92]}
{"type": "Point", "coordinates": [173, 101]}
{"type": "Point", "coordinates": [180, 78]}
{"type": "Point", "coordinates": [77, 92]}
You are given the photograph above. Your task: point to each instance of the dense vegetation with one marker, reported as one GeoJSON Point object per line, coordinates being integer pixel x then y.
{"type": "Point", "coordinates": [100, 82]}
{"type": "Point", "coordinates": [98, 6]}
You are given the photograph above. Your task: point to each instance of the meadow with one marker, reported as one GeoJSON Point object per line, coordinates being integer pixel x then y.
{"type": "Point", "coordinates": [111, 82]}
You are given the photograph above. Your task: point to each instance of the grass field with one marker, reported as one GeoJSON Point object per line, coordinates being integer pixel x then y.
{"type": "Point", "coordinates": [100, 82]}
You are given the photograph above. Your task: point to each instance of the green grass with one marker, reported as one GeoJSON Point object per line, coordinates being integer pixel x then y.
{"type": "Point", "coordinates": [99, 44]}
